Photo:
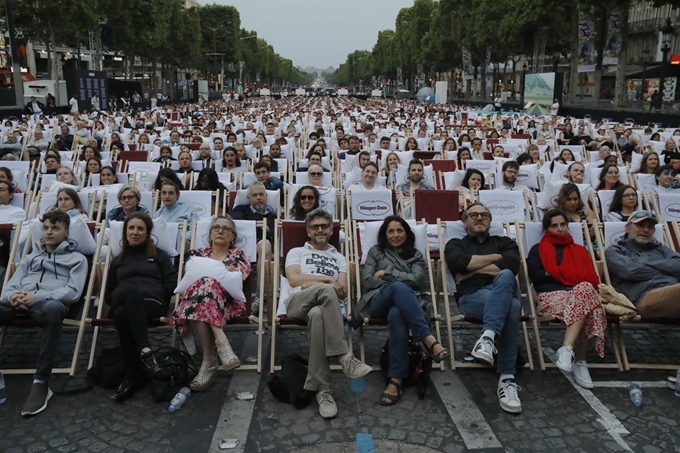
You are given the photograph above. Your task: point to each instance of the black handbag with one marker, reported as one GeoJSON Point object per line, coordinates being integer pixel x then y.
{"type": "Point", "coordinates": [109, 370]}
{"type": "Point", "coordinates": [287, 385]}
{"type": "Point", "coordinates": [419, 366]}
{"type": "Point", "coordinates": [177, 370]}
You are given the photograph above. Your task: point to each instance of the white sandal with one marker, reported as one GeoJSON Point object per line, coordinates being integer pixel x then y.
{"type": "Point", "coordinates": [205, 377]}
{"type": "Point", "coordinates": [227, 356]}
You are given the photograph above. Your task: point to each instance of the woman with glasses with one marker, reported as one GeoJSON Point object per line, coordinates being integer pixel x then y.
{"type": "Point", "coordinates": [315, 175]}
{"type": "Point", "coordinates": [623, 204]}
{"type": "Point", "coordinates": [394, 279]}
{"type": "Point", "coordinates": [206, 306]}
{"type": "Point", "coordinates": [566, 282]}
{"type": "Point", "coordinates": [305, 200]}
{"type": "Point", "coordinates": [128, 200]}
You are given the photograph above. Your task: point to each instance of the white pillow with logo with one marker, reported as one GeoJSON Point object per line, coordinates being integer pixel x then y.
{"type": "Point", "coordinates": [198, 267]}
{"type": "Point", "coordinates": [78, 235]}
{"type": "Point", "coordinates": [164, 235]}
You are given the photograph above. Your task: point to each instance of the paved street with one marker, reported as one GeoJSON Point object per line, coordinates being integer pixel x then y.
{"type": "Point", "coordinates": [460, 412]}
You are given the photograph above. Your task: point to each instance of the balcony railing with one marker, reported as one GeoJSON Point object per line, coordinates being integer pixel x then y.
{"type": "Point", "coordinates": [642, 26]}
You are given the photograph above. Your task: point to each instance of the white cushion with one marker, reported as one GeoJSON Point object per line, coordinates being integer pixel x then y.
{"type": "Point", "coordinates": [198, 267]}
{"type": "Point", "coordinates": [78, 235]}
{"type": "Point", "coordinates": [164, 235]}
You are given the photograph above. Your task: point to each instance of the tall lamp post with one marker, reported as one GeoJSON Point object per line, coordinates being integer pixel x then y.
{"type": "Point", "coordinates": [525, 67]}
{"type": "Point", "coordinates": [214, 53]}
{"type": "Point", "coordinates": [643, 92]}
{"type": "Point", "coordinates": [667, 32]}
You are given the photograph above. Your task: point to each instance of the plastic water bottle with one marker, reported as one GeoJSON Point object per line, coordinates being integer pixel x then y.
{"type": "Point", "coordinates": [677, 386]}
{"type": "Point", "coordinates": [635, 394]}
{"type": "Point", "coordinates": [3, 395]}
{"type": "Point", "coordinates": [179, 399]}
{"type": "Point", "coordinates": [458, 346]}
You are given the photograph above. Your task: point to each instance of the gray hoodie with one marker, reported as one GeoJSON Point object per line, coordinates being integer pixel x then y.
{"type": "Point", "coordinates": [60, 275]}
{"type": "Point", "coordinates": [637, 269]}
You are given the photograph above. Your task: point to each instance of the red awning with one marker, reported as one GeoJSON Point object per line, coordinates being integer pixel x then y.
{"type": "Point", "coordinates": [27, 77]}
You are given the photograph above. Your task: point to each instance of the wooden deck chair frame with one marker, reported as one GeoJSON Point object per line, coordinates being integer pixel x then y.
{"type": "Point", "coordinates": [79, 323]}
{"type": "Point", "coordinates": [100, 321]}
{"type": "Point", "coordinates": [461, 318]}
{"type": "Point", "coordinates": [355, 268]}
{"type": "Point", "coordinates": [13, 246]}
{"type": "Point", "coordinates": [281, 322]}
{"type": "Point", "coordinates": [524, 253]}
{"type": "Point", "coordinates": [619, 321]}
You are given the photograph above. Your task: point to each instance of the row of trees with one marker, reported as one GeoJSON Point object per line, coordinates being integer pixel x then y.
{"type": "Point", "coordinates": [435, 34]}
{"type": "Point", "coordinates": [159, 32]}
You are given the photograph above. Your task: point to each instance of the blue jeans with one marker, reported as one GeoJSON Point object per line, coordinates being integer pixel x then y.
{"type": "Point", "coordinates": [50, 314]}
{"type": "Point", "coordinates": [499, 306]}
{"type": "Point", "coordinates": [399, 305]}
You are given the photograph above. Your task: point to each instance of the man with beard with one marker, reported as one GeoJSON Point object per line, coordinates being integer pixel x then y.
{"type": "Point", "coordinates": [484, 268]}
{"type": "Point", "coordinates": [317, 272]}
{"type": "Point", "coordinates": [644, 269]}
{"type": "Point", "coordinates": [415, 182]}
{"type": "Point", "coordinates": [510, 171]}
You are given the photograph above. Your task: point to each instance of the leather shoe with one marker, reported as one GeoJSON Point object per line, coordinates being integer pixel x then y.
{"type": "Point", "coordinates": [150, 365]}
{"type": "Point", "coordinates": [127, 388]}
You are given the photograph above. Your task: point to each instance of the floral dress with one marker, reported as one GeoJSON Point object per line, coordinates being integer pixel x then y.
{"type": "Point", "coordinates": [207, 301]}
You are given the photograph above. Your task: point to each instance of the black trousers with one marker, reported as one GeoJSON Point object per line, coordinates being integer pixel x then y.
{"type": "Point", "coordinates": [132, 314]}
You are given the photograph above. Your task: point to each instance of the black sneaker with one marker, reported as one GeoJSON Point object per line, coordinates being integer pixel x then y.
{"type": "Point", "coordinates": [37, 399]}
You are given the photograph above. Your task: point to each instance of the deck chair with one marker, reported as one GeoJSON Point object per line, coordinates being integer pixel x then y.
{"type": "Point", "coordinates": [78, 311]}
{"type": "Point", "coordinates": [667, 209]}
{"type": "Point", "coordinates": [606, 236]}
{"type": "Point", "coordinates": [528, 235]}
{"type": "Point", "coordinates": [370, 204]}
{"type": "Point", "coordinates": [448, 231]}
{"type": "Point", "coordinates": [165, 242]}
{"type": "Point", "coordinates": [288, 235]}
{"type": "Point", "coordinates": [246, 242]}
{"type": "Point", "coordinates": [329, 199]}
{"type": "Point", "coordinates": [506, 205]}
{"type": "Point", "coordinates": [366, 236]}
{"type": "Point", "coordinates": [9, 244]}
{"type": "Point", "coordinates": [201, 200]}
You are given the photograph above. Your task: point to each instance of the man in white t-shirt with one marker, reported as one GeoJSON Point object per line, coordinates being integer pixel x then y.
{"type": "Point", "coordinates": [73, 105]}
{"type": "Point", "coordinates": [555, 107]}
{"type": "Point", "coordinates": [317, 272]}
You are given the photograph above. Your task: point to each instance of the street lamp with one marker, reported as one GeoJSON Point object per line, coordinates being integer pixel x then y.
{"type": "Point", "coordinates": [214, 54]}
{"type": "Point", "coordinates": [495, 77]}
{"type": "Point", "coordinates": [525, 67]}
{"type": "Point", "coordinates": [645, 55]}
{"type": "Point", "coordinates": [667, 32]}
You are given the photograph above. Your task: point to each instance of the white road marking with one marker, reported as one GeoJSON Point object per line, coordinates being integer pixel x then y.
{"type": "Point", "coordinates": [234, 421]}
{"type": "Point", "coordinates": [469, 421]}
{"type": "Point", "coordinates": [625, 384]}
{"type": "Point", "coordinates": [607, 419]}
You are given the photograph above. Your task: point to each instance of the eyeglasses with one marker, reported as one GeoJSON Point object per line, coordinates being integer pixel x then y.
{"type": "Point", "coordinates": [319, 226]}
{"type": "Point", "coordinates": [127, 197]}
{"type": "Point", "coordinates": [629, 195]}
{"type": "Point", "coordinates": [316, 174]}
{"type": "Point", "coordinates": [307, 198]}
{"type": "Point", "coordinates": [479, 215]}
{"type": "Point", "coordinates": [221, 228]}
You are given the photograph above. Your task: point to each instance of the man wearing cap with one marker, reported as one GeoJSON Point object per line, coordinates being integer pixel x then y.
{"type": "Point", "coordinates": [645, 270]}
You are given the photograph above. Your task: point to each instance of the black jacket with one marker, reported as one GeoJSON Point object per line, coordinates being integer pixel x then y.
{"type": "Point", "coordinates": [156, 277]}
{"type": "Point", "coordinates": [459, 252]}
{"type": "Point", "coordinates": [243, 212]}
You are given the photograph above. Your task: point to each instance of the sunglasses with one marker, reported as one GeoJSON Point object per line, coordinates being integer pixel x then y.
{"type": "Point", "coordinates": [316, 174]}
{"type": "Point", "coordinates": [307, 198]}
{"type": "Point", "coordinates": [642, 215]}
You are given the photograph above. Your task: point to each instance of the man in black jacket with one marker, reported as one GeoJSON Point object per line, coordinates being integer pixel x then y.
{"type": "Point", "coordinates": [484, 268]}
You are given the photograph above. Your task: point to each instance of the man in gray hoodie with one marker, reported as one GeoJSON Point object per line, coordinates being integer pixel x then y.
{"type": "Point", "coordinates": [44, 286]}
{"type": "Point", "coordinates": [645, 270]}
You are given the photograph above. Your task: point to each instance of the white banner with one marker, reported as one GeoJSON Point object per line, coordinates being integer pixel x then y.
{"type": "Point", "coordinates": [669, 207]}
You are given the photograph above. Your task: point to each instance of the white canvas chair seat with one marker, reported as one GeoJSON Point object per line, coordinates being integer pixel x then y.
{"type": "Point", "coordinates": [249, 177]}
{"type": "Point", "coordinates": [371, 204]}
{"type": "Point", "coordinates": [594, 173]}
{"type": "Point", "coordinates": [146, 201]}
{"type": "Point", "coordinates": [302, 178]}
{"type": "Point", "coordinates": [49, 199]}
{"type": "Point", "coordinates": [272, 198]}
{"type": "Point", "coordinates": [201, 200]}
{"type": "Point", "coordinates": [402, 175]}
{"type": "Point", "coordinates": [505, 205]}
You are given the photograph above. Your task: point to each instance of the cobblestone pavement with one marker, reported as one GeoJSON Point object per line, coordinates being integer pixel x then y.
{"type": "Point", "coordinates": [557, 417]}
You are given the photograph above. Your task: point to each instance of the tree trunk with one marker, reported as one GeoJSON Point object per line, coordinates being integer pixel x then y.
{"type": "Point", "coordinates": [621, 85]}
{"type": "Point", "coordinates": [573, 63]}
{"type": "Point", "coordinates": [600, 40]}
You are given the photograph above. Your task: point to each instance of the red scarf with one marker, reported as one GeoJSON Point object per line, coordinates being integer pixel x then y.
{"type": "Point", "coordinates": [576, 266]}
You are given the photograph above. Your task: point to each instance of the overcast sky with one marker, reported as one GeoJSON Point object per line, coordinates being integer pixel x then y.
{"type": "Point", "coordinates": [318, 33]}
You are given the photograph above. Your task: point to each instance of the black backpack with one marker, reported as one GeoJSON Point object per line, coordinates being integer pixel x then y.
{"type": "Point", "coordinates": [287, 385]}
{"type": "Point", "coordinates": [177, 371]}
{"type": "Point", "coordinates": [419, 366]}
{"type": "Point", "coordinates": [109, 370]}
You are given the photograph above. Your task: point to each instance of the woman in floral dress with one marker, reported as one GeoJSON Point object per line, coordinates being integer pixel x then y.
{"type": "Point", "coordinates": [206, 306]}
{"type": "Point", "coordinates": [564, 277]}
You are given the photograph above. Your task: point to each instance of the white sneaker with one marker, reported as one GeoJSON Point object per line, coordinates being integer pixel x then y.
{"type": "Point", "coordinates": [565, 357]}
{"type": "Point", "coordinates": [508, 397]}
{"type": "Point", "coordinates": [354, 368]}
{"type": "Point", "coordinates": [327, 406]}
{"type": "Point", "coordinates": [484, 350]}
{"type": "Point", "coordinates": [582, 375]}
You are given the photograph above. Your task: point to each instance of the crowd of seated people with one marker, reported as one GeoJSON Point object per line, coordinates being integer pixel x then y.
{"type": "Point", "coordinates": [303, 150]}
